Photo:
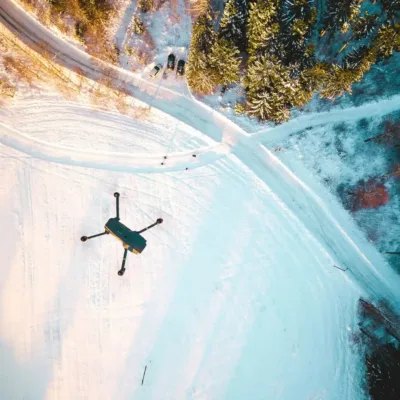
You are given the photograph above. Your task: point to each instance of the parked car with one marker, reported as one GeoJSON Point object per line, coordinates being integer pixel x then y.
{"type": "Point", "coordinates": [156, 70]}
{"type": "Point", "coordinates": [171, 61]}
{"type": "Point", "coordinates": [180, 70]}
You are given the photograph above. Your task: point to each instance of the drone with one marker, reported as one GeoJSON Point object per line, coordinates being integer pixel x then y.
{"type": "Point", "coordinates": [132, 241]}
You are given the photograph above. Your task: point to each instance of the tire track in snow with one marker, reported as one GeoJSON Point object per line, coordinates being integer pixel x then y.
{"type": "Point", "coordinates": [368, 110]}
{"type": "Point", "coordinates": [125, 162]}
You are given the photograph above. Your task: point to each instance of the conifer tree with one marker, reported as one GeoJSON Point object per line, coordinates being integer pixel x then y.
{"type": "Point", "coordinates": [137, 25]}
{"type": "Point", "coordinates": [363, 26]}
{"type": "Point", "coordinates": [225, 62]}
{"type": "Point", "coordinates": [297, 18]}
{"type": "Point", "coordinates": [263, 25]}
{"type": "Point", "coordinates": [387, 41]}
{"type": "Point", "coordinates": [391, 7]}
{"type": "Point", "coordinates": [233, 25]}
{"type": "Point", "coordinates": [313, 79]}
{"type": "Point", "coordinates": [211, 61]}
{"type": "Point", "coordinates": [340, 79]}
{"type": "Point", "coordinates": [271, 91]}
{"type": "Point", "coordinates": [340, 13]}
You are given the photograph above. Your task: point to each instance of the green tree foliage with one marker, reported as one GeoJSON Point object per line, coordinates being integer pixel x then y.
{"type": "Point", "coordinates": [387, 41]}
{"type": "Point", "coordinates": [313, 79]}
{"type": "Point", "coordinates": [364, 26]}
{"type": "Point", "coordinates": [340, 13]}
{"type": "Point", "coordinates": [263, 26]}
{"type": "Point", "coordinates": [91, 15]}
{"type": "Point", "coordinates": [233, 25]}
{"type": "Point", "coordinates": [340, 79]}
{"type": "Point", "coordinates": [297, 18]}
{"type": "Point", "coordinates": [391, 7]}
{"type": "Point", "coordinates": [225, 62]}
{"type": "Point", "coordinates": [145, 5]}
{"type": "Point", "coordinates": [137, 25]}
{"type": "Point", "coordinates": [271, 91]}
{"type": "Point", "coordinates": [95, 10]}
{"type": "Point", "coordinates": [211, 61]}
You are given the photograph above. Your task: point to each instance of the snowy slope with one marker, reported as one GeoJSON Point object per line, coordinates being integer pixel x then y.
{"type": "Point", "coordinates": [240, 293]}
{"type": "Point", "coordinates": [233, 298]}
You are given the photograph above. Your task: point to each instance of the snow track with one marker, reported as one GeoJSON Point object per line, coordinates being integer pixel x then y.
{"type": "Point", "coordinates": [368, 110]}
{"type": "Point", "coordinates": [237, 296]}
{"type": "Point", "coordinates": [160, 135]}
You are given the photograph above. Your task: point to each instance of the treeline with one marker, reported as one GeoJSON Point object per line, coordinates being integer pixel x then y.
{"type": "Point", "coordinates": [379, 339]}
{"type": "Point", "coordinates": [91, 18]}
{"type": "Point", "coordinates": [286, 51]}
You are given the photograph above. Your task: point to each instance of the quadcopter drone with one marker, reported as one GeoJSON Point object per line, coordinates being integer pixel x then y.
{"type": "Point", "coordinates": [131, 240]}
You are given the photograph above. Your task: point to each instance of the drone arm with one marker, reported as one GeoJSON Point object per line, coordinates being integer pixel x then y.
{"type": "Point", "coordinates": [159, 221]}
{"type": "Point", "coordinates": [84, 238]}
{"type": "Point", "coordinates": [116, 195]}
{"type": "Point", "coordinates": [122, 270]}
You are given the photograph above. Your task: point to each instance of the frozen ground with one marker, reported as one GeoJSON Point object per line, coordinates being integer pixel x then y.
{"type": "Point", "coordinates": [337, 155]}
{"type": "Point", "coordinates": [233, 298]}
{"type": "Point", "coordinates": [247, 290]}
{"type": "Point", "coordinates": [237, 295]}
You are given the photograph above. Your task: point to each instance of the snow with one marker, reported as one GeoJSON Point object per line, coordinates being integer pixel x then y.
{"type": "Point", "coordinates": [239, 293]}
{"type": "Point", "coordinates": [247, 290]}
{"type": "Point", "coordinates": [233, 297]}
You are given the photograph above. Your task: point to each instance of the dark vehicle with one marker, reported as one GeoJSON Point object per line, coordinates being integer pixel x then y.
{"type": "Point", "coordinates": [180, 70]}
{"type": "Point", "coordinates": [171, 62]}
{"type": "Point", "coordinates": [131, 241]}
{"type": "Point", "coordinates": [156, 70]}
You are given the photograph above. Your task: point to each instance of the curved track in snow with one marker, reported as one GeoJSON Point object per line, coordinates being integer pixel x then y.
{"type": "Point", "coordinates": [103, 139]}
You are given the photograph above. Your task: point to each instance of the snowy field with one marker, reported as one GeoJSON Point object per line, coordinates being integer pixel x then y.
{"type": "Point", "coordinates": [248, 290]}
{"type": "Point", "coordinates": [233, 298]}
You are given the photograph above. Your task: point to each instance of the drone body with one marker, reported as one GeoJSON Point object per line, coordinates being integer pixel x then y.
{"type": "Point", "coordinates": [132, 241]}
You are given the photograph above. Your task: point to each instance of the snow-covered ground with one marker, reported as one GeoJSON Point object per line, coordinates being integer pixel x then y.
{"type": "Point", "coordinates": [233, 298]}
{"type": "Point", "coordinates": [247, 290]}
{"type": "Point", "coordinates": [237, 296]}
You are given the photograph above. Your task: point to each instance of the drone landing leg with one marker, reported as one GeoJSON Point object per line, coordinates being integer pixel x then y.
{"type": "Point", "coordinates": [84, 238]}
{"type": "Point", "coordinates": [122, 270]}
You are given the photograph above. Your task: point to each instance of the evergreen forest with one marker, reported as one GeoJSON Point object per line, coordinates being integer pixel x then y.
{"type": "Point", "coordinates": [283, 52]}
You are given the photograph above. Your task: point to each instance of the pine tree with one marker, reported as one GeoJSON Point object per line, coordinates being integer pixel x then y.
{"type": "Point", "coordinates": [355, 59]}
{"type": "Point", "coordinates": [145, 5]}
{"type": "Point", "coordinates": [200, 79]}
{"type": "Point", "coordinates": [313, 79]}
{"type": "Point", "coordinates": [340, 13]}
{"type": "Point", "coordinates": [341, 79]}
{"type": "Point", "coordinates": [297, 18]}
{"type": "Point", "coordinates": [391, 7]}
{"type": "Point", "coordinates": [271, 91]}
{"type": "Point", "coordinates": [212, 61]}
{"type": "Point", "coordinates": [233, 23]}
{"type": "Point", "coordinates": [263, 25]}
{"type": "Point", "coordinates": [364, 26]}
{"type": "Point", "coordinates": [203, 34]}
{"type": "Point", "coordinates": [387, 41]}
{"type": "Point", "coordinates": [225, 62]}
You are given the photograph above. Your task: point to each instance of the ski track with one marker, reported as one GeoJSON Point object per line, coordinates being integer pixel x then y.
{"type": "Point", "coordinates": [219, 310]}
